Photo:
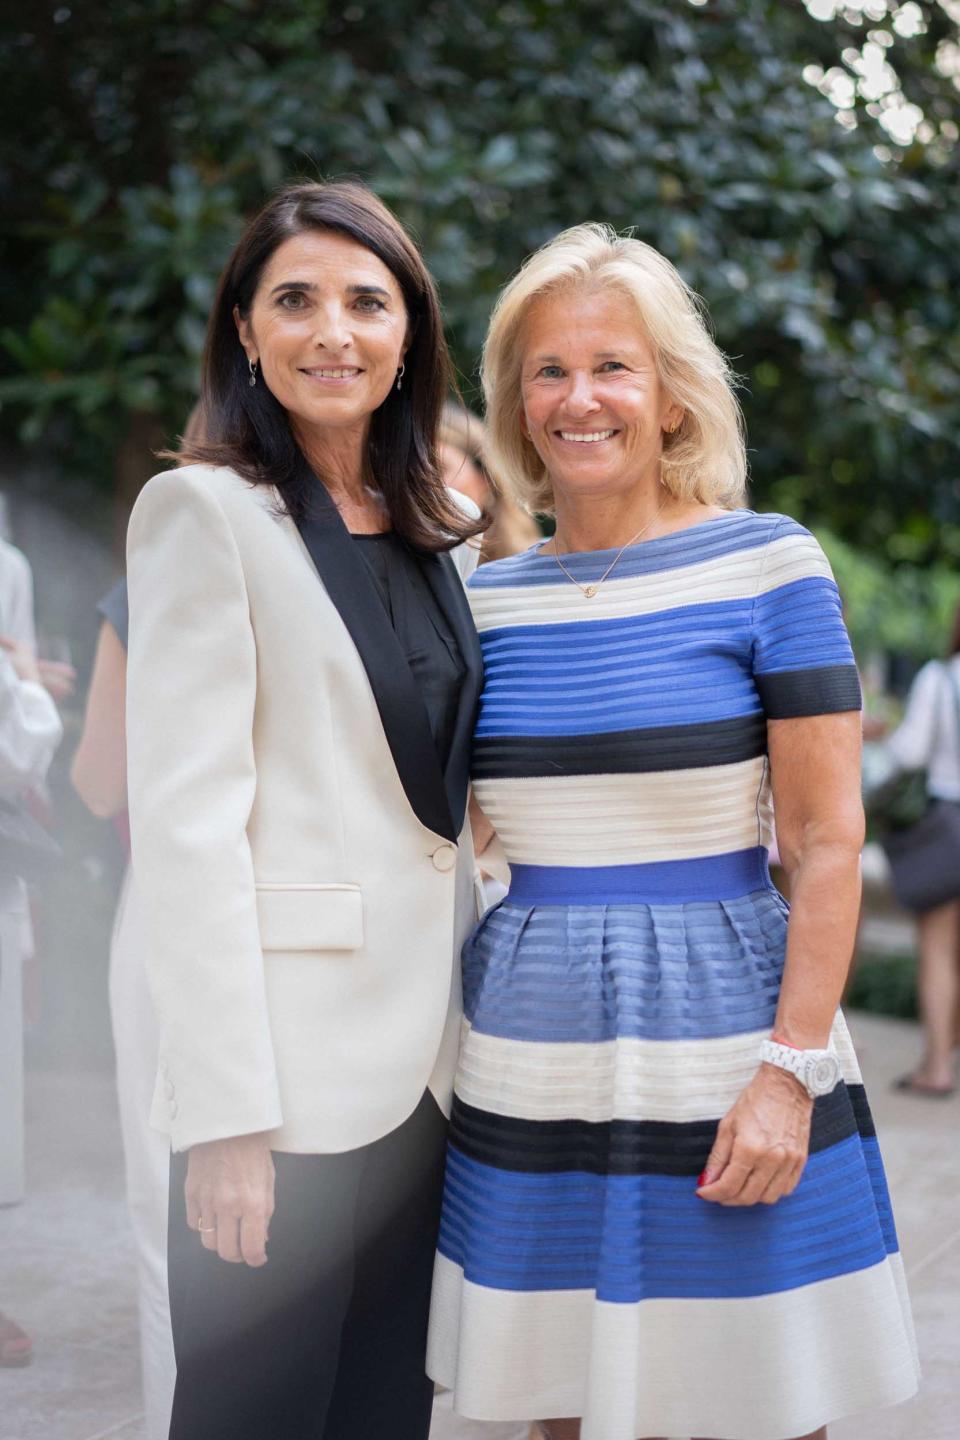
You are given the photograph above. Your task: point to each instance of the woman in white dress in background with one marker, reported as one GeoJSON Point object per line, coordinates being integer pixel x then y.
{"type": "Point", "coordinates": [99, 776]}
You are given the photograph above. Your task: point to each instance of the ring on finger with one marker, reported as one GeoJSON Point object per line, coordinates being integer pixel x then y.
{"type": "Point", "coordinates": [204, 1229]}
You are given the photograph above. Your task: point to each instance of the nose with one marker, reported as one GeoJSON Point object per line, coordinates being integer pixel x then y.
{"type": "Point", "coordinates": [332, 330]}
{"type": "Point", "coordinates": [580, 400]}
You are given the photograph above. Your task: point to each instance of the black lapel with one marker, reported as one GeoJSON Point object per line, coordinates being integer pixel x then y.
{"type": "Point", "coordinates": [403, 715]}
{"type": "Point", "coordinates": [450, 595]}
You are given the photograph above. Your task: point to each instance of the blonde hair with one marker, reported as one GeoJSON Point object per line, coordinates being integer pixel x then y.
{"type": "Point", "coordinates": [463, 430]}
{"type": "Point", "coordinates": [705, 459]}
{"type": "Point", "coordinates": [511, 529]}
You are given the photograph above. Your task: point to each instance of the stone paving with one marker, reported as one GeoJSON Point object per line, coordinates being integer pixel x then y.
{"type": "Point", "coordinates": [66, 1269]}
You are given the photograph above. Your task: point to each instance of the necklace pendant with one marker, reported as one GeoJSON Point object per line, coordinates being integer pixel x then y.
{"type": "Point", "coordinates": [590, 591]}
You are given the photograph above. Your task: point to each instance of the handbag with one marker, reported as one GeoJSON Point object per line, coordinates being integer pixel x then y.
{"type": "Point", "coordinates": [27, 851]}
{"type": "Point", "coordinates": [924, 853]}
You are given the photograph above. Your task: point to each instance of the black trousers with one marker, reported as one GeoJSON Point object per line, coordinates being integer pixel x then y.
{"type": "Point", "coordinates": [327, 1340]}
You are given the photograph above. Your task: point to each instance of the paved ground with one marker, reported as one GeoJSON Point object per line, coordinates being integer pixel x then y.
{"type": "Point", "coordinates": [66, 1272]}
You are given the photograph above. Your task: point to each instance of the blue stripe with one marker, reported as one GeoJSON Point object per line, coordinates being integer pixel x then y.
{"type": "Point", "coordinates": [589, 973]}
{"type": "Point", "coordinates": [645, 1237]}
{"type": "Point", "coordinates": [674, 882]}
{"type": "Point", "coordinates": [725, 534]}
{"type": "Point", "coordinates": [590, 677]}
{"type": "Point", "coordinates": [800, 626]}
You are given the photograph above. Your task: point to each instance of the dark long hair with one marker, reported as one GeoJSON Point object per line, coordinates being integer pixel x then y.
{"type": "Point", "coordinates": [245, 428]}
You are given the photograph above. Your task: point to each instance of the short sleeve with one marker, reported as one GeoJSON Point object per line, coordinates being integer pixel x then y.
{"type": "Point", "coordinates": [115, 609]}
{"type": "Point", "coordinates": [802, 660]}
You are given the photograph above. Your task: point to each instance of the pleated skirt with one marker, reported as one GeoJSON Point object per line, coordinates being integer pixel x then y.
{"type": "Point", "coordinates": [578, 1273]}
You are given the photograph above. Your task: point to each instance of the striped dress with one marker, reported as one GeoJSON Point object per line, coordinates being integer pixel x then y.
{"type": "Point", "coordinates": [615, 1002]}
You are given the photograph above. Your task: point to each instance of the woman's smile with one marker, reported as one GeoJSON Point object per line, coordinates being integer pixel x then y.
{"type": "Point", "coordinates": [332, 375]}
{"type": "Point", "coordinates": [586, 437]}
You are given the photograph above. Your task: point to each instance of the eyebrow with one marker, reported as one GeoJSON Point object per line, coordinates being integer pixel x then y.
{"type": "Point", "coordinates": [555, 359]}
{"type": "Point", "coordinates": [310, 287]}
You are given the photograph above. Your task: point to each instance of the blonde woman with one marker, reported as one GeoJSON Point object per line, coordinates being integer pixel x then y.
{"type": "Point", "coordinates": [665, 1209]}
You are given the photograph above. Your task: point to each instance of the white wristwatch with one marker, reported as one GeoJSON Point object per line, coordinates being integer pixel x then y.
{"type": "Point", "coordinates": [817, 1070]}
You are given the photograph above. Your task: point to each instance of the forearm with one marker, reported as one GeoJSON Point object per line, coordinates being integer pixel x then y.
{"type": "Point", "coordinates": [99, 768]}
{"type": "Point", "coordinates": [825, 891]}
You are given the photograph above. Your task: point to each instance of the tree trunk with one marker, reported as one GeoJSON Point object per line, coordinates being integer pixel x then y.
{"type": "Point", "coordinates": [135, 462]}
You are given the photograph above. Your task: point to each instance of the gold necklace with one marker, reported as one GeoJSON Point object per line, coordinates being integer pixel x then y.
{"type": "Point", "coordinates": [590, 590]}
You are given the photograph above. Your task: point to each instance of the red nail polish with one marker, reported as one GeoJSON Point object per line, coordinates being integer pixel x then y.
{"type": "Point", "coordinates": [703, 1179]}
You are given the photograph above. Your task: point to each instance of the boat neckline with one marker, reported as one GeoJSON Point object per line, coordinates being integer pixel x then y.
{"type": "Point", "coordinates": [537, 547]}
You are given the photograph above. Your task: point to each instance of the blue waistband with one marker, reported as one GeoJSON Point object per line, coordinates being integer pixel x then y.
{"type": "Point", "coordinates": [671, 882]}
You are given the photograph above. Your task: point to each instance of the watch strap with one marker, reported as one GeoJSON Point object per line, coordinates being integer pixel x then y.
{"type": "Point", "coordinates": [817, 1070]}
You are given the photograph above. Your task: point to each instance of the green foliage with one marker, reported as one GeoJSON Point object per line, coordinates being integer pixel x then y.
{"type": "Point", "coordinates": [832, 274]}
{"type": "Point", "coordinates": [905, 610]}
{"type": "Point", "coordinates": [885, 985]}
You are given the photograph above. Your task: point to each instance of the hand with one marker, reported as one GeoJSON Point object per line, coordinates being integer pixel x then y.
{"type": "Point", "coordinates": [229, 1194]}
{"type": "Point", "coordinates": [22, 659]}
{"type": "Point", "coordinates": [762, 1142]}
{"type": "Point", "coordinates": [58, 678]}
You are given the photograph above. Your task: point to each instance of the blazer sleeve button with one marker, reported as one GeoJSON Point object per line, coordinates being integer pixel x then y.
{"type": "Point", "coordinates": [444, 858]}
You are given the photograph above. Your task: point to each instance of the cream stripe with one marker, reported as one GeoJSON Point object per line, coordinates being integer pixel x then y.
{"type": "Point", "coordinates": [764, 1367]}
{"type": "Point", "coordinates": [590, 820]}
{"type": "Point", "coordinates": [727, 577]}
{"type": "Point", "coordinates": [624, 1079]}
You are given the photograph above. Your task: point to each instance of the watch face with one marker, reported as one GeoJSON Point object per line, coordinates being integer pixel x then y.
{"type": "Point", "coordinates": [822, 1075]}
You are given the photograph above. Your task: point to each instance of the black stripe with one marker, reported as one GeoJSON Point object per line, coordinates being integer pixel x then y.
{"type": "Point", "coordinates": [788, 694]}
{"type": "Point", "coordinates": [628, 1147]}
{"type": "Point", "coordinates": [861, 1109]}
{"type": "Point", "coordinates": [621, 752]}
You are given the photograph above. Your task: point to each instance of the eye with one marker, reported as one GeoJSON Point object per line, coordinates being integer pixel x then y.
{"type": "Point", "coordinates": [550, 372]}
{"type": "Point", "coordinates": [292, 300]}
{"type": "Point", "coordinates": [611, 365]}
{"type": "Point", "coordinates": [371, 304]}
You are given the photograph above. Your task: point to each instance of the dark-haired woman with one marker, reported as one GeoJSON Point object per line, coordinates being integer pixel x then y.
{"type": "Point", "coordinates": [302, 684]}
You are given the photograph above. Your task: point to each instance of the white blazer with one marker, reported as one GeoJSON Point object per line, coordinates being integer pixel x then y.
{"type": "Point", "coordinates": [302, 870]}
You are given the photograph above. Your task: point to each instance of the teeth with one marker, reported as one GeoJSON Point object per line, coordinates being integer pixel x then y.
{"type": "Point", "coordinates": [589, 439]}
{"type": "Point", "coordinates": [341, 374]}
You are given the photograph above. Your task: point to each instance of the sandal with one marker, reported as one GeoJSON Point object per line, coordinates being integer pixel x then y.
{"type": "Point", "coordinates": [910, 1085]}
{"type": "Point", "coordinates": [16, 1347]}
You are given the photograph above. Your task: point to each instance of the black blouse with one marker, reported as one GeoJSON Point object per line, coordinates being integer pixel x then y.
{"type": "Point", "coordinates": [420, 626]}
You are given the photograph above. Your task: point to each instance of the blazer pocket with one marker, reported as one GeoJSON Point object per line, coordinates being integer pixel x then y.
{"type": "Point", "coordinates": [310, 917]}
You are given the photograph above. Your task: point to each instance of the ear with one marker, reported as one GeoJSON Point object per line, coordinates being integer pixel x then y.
{"type": "Point", "coordinates": [524, 427]}
{"type": "Point", "coordinates": [672, 419]}
{"type": "Point", "coordinates": [245, 331]}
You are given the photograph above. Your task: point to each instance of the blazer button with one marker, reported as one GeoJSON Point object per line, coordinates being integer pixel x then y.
{"type": "Point", "coordinates": [444, 858]}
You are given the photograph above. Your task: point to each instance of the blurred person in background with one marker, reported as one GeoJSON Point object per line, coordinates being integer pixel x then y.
{"type": "Point", "coordinates": [665, 1209]}
{"type": "Point", "coordinates": [30, 731]}
{"type": "Point", "coordinates": [302, 685]}
{"type": "Point", "coordinates": [99, 776]}
{"type": "Point", "coordinates": [18, 632]}
{"type": "Point", "coordinates": [464, 468]}
{"type": "Point", "coordinates": [461, 452]}
{"type": "Point", "coordinates": [928, 738]}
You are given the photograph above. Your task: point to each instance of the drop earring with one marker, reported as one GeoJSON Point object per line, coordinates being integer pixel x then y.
{"type": "Point", "coordinates": [400, 374]}
{"type": "Point", "coordinates": [253, 372]}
